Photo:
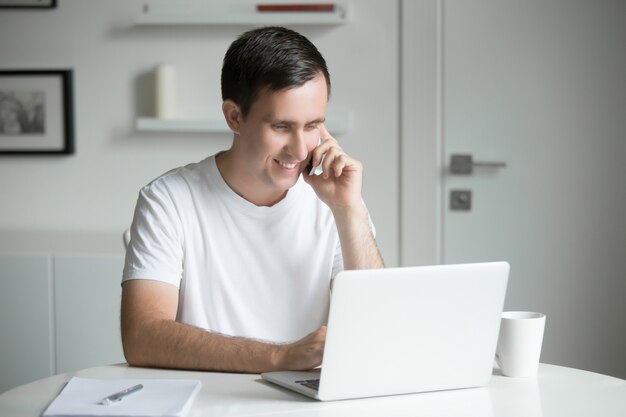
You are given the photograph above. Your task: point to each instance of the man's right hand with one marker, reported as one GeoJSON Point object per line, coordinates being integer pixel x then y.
{"type": "Point", "coordinates": [305, 354]}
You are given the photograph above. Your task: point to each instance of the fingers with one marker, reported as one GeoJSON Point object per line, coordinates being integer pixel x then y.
{"type": "Point", "coordinates": [320, 334]}
{"type": "Point", "coordinates": [308, 352]}
{"type": "Point", "coordinates": [330, 155]}
{"type": "Point", "coordinates": [339, 186]}
{"type": "Point", "coordinates": [323, 131]}
{"type": "Point", "coordinates": [314, 342]}
{"type": "Point", "coordinates": [320, 151]}
{"type": "Point", "coordinates": [314, 348]}
{"type": "Point", "coordinates": [326, 142]}
{"type": "Point", "coordinates": [335, 161]}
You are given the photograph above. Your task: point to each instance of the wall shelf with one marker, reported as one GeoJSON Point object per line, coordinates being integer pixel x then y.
{"type": "Point", "coordinates": [152, 124]}
{"type": "Point", "coordinates": [337, 122]}
{"type": "Point", "coordinates": [159, 17]}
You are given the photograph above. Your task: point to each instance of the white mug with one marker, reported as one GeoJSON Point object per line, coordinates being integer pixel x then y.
{"type": "Point", "coordinates": [519, 344]}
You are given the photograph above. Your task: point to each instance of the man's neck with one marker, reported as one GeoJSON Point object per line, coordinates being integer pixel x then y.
{"type": "Point", "coordinates": [243, 183]}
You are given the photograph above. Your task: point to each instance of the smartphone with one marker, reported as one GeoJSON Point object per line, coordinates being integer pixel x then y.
{"type": "Point", "coordinates": [318, 169]}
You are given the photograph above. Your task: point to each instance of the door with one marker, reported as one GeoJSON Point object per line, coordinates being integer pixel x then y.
{"type": "Point", "coordinates": [541, 87]}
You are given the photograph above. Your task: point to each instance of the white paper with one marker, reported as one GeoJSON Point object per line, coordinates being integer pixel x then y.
{"type": "Point", "coordinates": [159, 397]}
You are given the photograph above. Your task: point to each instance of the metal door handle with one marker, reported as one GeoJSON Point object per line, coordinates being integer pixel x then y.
{"type": "Point", "coordinates": [464, 164]}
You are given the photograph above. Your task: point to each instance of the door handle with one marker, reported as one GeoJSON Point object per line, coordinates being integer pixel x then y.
{"type": "Point", "coordinates": [464, 164]}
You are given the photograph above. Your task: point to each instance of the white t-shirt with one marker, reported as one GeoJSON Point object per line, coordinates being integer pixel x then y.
{"type": "Point", "coordinates": [241, 270]}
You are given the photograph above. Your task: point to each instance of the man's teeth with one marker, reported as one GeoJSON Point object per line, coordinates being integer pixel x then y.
{"type": "Point", "coordinates": [286, 165]}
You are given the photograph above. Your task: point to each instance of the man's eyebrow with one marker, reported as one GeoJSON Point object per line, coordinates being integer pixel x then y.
{"type": "Point", "coordinates": [269, 118]}
{"type": "Point", "coordinates": [273, 120]}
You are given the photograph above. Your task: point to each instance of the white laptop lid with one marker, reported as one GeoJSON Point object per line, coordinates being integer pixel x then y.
{"type": "Point", "coordinates": [405, 330]}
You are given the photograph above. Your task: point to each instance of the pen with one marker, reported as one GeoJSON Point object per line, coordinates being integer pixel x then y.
{"type": "Point", "coordinates": [113, 398]}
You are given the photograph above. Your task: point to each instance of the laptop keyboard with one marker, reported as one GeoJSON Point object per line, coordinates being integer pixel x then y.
{"type": "Point", "coordinates": [310, 383]}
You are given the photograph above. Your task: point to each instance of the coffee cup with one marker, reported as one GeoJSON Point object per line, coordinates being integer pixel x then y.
{"type": "Point", "coordinates": [519, 344]}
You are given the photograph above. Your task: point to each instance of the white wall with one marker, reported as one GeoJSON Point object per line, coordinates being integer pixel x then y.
{"type": "Point", "coordinates": [61, 218]}
{"type": "Point", "coordinates": [91, 194]}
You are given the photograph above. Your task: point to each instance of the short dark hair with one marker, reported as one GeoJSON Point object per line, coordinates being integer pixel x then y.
{"type": "Point", "coordinates": [273, 57]}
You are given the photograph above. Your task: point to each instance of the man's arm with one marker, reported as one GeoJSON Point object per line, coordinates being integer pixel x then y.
{"type": "Point", "coordinates": [340, 188]}
{"type": "Point", "coordinates": [151, 337]}
{"type": "Point", "coordinates": [358, 246]}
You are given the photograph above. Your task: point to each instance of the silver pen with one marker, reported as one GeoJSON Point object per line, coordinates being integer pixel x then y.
{"type": "Point", "coordinates": [113, 398]}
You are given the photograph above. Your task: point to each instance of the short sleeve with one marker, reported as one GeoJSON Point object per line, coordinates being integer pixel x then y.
{"type": "Point", "coordinates": [155, 248]}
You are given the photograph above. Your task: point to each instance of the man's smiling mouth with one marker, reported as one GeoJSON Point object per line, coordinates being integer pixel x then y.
{"type": "Point", "coordinates": [288, 165]}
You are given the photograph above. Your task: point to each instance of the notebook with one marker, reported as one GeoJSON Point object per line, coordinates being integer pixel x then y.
{"type": "Point", "coordinates": [157, 397]}
{"type": "Point", "coordinates": [407, 330]}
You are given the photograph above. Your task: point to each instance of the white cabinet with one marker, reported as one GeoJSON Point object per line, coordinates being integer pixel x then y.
{"type": "Point", "coordinates": [87, 291]}
{"type": "Point", "coordinates": [26, 338]}
{"type": "Point", "coordinates": [58, 313]}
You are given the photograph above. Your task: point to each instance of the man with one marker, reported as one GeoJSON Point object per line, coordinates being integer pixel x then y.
{"type": "Point", "coordinates": [231, 259]}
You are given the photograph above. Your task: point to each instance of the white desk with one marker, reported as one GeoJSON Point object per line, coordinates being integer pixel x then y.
{"type": "Point", "coordinates": [557, 391]}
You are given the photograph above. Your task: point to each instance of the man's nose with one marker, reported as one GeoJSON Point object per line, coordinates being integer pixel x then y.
{"type": "Point", "coordinates": [297, 146]}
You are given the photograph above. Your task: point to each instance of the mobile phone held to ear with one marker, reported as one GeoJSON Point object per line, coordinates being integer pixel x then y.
{"type": "Point", "coordinates": [318, 169]}
{"type": "Point", "coordinates": [314, 170]}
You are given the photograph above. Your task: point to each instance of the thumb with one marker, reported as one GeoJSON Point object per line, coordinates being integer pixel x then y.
{"type": "Point", "coordinates": [312, 180]}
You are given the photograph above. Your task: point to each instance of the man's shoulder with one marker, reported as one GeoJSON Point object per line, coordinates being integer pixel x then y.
{"type": "Point", "coordinates": [187, 176]}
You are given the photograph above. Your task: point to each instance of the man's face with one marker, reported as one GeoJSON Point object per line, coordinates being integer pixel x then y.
{"type": "Point", "coordinates": [279, 133]}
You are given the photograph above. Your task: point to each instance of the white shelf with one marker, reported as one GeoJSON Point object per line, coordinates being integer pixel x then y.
{"type": "Point", "coordinates": [337, 122]}
{"type": "Point", "coordinates": [243, 17]}
{"type": "Point", "coordinates": [153, 124]}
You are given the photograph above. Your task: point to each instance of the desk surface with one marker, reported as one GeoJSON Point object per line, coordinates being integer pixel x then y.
{"type": "Point", "coordinates": [557, 391]}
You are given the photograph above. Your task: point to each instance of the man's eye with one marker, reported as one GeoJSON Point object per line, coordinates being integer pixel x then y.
{"type": "Point", "coordinates": [312, 126]}
{"type": "Point", "coordinates": [281, 127]}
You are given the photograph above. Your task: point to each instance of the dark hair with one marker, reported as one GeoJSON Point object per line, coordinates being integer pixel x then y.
{"type": "Point", "coordinates": [273, 57]}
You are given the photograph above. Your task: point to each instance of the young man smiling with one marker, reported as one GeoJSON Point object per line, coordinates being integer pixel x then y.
{"type": "Point", "coordinates": [231, 259]}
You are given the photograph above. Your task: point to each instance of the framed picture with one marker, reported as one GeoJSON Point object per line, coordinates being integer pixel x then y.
{"type": "Point", "coordinates": [28, 4]}
{"type": "Point", "coordinates": [36, 112]}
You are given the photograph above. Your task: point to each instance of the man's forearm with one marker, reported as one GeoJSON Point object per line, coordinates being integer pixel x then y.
{"type": "Point", "coordinates": [358, 246]}
{"type": "Point", "coordinates": [169, 344]}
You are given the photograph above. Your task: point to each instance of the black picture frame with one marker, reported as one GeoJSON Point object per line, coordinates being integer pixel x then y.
{"type": "Point", "coordinates": [36, 112]}
{"type": "Point", "coordinates": [28, 4]}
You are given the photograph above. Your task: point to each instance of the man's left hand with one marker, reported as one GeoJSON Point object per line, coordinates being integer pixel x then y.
{"type": "Point", "coordinates": [339, 186]}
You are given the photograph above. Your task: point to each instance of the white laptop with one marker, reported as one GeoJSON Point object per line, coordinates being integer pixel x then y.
{"type": "Point", "coordinates": [407, 330]}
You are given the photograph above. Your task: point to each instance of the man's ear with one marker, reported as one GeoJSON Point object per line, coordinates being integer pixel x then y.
{"type": "Point", "coordinates": [232, 114]}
